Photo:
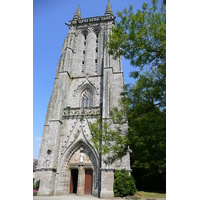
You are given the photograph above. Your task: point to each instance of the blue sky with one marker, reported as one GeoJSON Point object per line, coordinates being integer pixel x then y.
{"type": "Point", "coordinates": [49, 32]}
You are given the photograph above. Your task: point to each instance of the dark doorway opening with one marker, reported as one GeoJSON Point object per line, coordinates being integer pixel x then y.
{"type": "Point", "coordinates": [88, 181]}
{"type": "Point", "coordinates": [74, 181]}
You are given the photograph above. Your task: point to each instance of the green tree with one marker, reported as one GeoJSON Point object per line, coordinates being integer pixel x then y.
{"type": "Point", "coordinates": [141, 38]}
{"type": "Point", "coordinates": [108, 139]}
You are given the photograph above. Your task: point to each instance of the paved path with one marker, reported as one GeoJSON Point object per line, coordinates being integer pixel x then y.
{"type": "Point", "coordinates": [84, 197]}
{"type": "Point", "coordinates": [69, 197]}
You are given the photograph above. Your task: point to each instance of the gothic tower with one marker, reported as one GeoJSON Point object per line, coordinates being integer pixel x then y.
{"type": "Point", "coordinates": [88, 84]}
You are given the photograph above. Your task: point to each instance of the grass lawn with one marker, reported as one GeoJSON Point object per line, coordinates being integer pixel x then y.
{"type": "Point", "coordinates": [150, 194]}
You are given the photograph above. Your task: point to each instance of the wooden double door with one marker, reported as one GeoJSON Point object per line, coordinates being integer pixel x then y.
{"type": "Point", "coordinates": [88, 181]}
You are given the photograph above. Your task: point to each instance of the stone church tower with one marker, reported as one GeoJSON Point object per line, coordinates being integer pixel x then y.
{"type": "Point", "coordinates": [88, 84]}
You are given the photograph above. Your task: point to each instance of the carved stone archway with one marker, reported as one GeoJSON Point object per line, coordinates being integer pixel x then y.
{"type": "Point", "coordinates": [79, 157]}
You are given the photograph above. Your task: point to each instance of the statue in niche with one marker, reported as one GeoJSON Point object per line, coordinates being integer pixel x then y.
{"type": "Point", "coordinates": [81, 154]}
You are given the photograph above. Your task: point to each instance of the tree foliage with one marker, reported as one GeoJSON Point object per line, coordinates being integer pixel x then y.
{"type": "Point", "coordinates": [108, 140]}
{"type": "Point", "coordinates": [141, 38]}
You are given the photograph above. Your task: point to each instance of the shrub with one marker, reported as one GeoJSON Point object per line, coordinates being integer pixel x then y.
{"type": "Point", "coordinates": [123, 184]}
{"type": "Point", "coordinates": [33, 184]}
{"type": "Point", "coordinates": [37, 185]}
{"type": "Point", "coordinates": [34, 192]}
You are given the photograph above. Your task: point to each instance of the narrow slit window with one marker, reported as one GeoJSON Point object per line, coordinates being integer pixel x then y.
{"type": "Point", "coordinates": [96, 49]}
{"type": "Point", "coordinates": [84, 43]}
{"type": "Point", "coordinates": [83, 62]}
{"type": "Point", "coordinates": [82, 102]}
{"type": "Point", "coordinates": [95, 61]}
{"type": "Point", "coordinates": [83, 52]}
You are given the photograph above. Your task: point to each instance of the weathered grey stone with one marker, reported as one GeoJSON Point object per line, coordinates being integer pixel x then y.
{"type": "Point", "coordinates": [86, 75]}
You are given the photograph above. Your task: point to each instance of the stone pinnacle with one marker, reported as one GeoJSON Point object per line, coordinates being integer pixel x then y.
{"type": "Point", "coordinates": [77, 14]}
{"type": "Point", "coordinates": [108, 9]}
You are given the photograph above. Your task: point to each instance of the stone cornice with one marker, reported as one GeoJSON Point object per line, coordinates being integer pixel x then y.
{"type": "Point", "coordinates": [77, 77]}
{"type": "Point", "coordinates": [113, 71]}
{"type": "Point", "coordinates": [108, 169]}
{"type": "Point", "coordinates": [112, 169]}
{"type": "Point", "coordinates": [46, 169]}
{"type": "Point", "coordinates": [55, 120]}
{"type": "Point", "coordinates": [77, 165]}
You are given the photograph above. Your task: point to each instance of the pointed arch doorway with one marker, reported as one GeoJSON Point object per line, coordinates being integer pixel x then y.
{"type": "Point", "coordinates": [78, 170]}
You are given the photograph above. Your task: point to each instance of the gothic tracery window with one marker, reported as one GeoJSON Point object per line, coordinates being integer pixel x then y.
{"type": "Point", "coordinates": [86, 99]}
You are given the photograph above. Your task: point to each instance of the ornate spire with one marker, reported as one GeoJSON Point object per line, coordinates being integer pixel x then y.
{"type": "Point", "coordinates": [108, 9]}
{"type": "Point", "coordinates": [77, 14]}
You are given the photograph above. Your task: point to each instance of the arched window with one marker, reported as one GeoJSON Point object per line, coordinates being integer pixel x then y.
{"type": "Point", "coordinates": [86, 99]}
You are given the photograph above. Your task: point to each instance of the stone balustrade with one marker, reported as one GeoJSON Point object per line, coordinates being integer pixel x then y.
{"type": "Point", "coordinates": [71, 112]}
{"type": "Point", "coordinates": [91, 19]}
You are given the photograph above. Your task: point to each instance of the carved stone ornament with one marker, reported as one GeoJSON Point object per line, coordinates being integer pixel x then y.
{"type": "Point", "coordinates": [82, 111]}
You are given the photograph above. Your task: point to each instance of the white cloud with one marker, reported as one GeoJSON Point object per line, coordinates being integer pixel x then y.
{"type": "Point", "coordinates": [38, 144]}
{"type": "Point", "coordinates": [38, 138]}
